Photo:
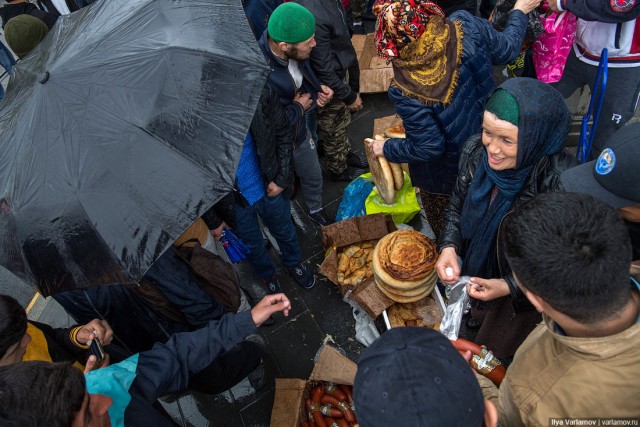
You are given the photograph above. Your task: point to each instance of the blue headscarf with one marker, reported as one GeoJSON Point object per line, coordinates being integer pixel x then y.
{"type": "Point", "coordinates": [542, 130]}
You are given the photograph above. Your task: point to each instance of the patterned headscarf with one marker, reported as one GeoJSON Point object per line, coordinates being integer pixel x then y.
{"type": "Point", "coordinates": [399, 23]}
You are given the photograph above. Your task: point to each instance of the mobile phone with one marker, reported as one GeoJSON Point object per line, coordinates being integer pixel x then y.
{"type": "Point", "coordinates": [96, 349]}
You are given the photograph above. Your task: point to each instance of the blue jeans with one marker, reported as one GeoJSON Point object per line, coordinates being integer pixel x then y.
{"type": "Point", "coordinates": [276, 215]}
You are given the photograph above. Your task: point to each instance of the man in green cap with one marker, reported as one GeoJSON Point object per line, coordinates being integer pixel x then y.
{"type": "Point", "coordinates": [286, 45]}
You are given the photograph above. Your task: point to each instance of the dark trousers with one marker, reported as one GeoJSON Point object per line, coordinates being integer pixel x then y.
{"type": "Point", "coordinates": [228, 369]}
{"type": "Point", "coordinates": [275, 213]}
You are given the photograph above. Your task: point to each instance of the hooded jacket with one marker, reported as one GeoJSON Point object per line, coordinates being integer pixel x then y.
{"type": "Point", "coordinates": [610, 24]}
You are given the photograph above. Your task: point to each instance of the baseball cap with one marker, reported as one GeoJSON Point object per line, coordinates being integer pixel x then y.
{"type": "Point", "coordinates": [413, 376]}
{"type": "Point", "coordinates": [614, 177]}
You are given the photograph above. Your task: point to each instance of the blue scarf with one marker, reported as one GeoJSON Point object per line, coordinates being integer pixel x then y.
{"type": "Point", "coordinates": [542, 130]}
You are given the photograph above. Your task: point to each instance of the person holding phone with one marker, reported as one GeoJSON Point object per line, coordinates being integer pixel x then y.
{"type": "Point", "coordinates": [124, 393]}
{"type": "Point", "coordinates": [23, 340]}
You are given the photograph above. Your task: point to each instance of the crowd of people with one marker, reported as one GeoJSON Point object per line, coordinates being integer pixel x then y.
{"type": "Point", "coordinates": [552, 248]}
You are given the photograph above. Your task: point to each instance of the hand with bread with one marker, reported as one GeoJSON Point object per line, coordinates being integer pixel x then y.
{"type": "Point", "coordinates": [527, 6]}
{"type": "Point", "coordinates": [487, 289]}
{"type": "Point", "coordinates": [378, 147]}
{"type": "Point", "coordinates": [269, 305]}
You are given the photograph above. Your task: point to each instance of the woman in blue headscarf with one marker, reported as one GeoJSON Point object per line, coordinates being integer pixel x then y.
{"type": "Point", "coordinates": [518, 155]}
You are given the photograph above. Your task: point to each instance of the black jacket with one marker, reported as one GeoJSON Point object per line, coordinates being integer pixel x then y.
{"type": "Point", "coordinates": [9, 11]}
{"type": "Point", "coordinates": [273, 137]}
{"type": "Point", "coordinates": [334, 54]}
{"type": "Point", "coordinates": [544, 178]}
{"type": "Point", "coordinates": [283, 84]}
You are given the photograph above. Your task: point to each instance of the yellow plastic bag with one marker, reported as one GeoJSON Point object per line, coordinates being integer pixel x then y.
{"type": "Point", "coordinates": [405, 207]}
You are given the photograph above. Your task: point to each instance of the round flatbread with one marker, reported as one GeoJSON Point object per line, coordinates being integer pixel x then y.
{"type": "Point", "coordinates": [430, 281]}
{"type": "Point", "coordinates": [406, 293]}
{"type": "Point", "coordinates": [398, 176]}
{"type": "Point", "coordinates": [404, 259]}
{"type": "Point", "coordinates": [396, 131]}
{"type": "Point", "coordinates": [381, 173]}
{"type": "Point", "coordinates": [403, 299]}
{"type": "Point", "coordinates": [406, 285]}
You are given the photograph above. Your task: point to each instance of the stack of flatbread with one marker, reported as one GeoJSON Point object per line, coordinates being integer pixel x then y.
{"type": "Point", "coordinates": [404, 265]}
{"type": "Point", "coordinates": [387, 176]}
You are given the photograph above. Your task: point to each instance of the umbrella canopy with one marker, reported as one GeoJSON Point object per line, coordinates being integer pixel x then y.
{"type": "Point", "coordinates": [122, 127]}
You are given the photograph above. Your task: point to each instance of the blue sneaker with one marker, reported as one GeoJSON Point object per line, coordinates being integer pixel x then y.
{"type": "Point", "coordinates": [272, 286]}
{"type": "Point", "coordinates": [302, 275]}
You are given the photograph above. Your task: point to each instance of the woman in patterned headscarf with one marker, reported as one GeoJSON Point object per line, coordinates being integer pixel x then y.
{"type": "Point", "coordinates": [442, 79]}
{"type": "Point", "coordinates": [518, 155]}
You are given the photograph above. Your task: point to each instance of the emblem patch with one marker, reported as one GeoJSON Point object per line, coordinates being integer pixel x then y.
{"type": "Point", "coordinates": [622, 5]}
{"type": "Point", "coordinates": [606, 162]}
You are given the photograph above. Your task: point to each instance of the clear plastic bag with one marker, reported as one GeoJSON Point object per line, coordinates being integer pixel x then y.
{"type": "Point", "coordinates": [366, 331]}
{"type": "Point", "coordinates": [458, 305]}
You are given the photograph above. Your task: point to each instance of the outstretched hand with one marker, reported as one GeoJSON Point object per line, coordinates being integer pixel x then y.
{"type": "Point", "coordinates": [487, 289]}
{"type": "Point", "coordinates": [528, 5]}
{"type": "Point", "coordinates": [447, 266]}
{"type": "Point", "coordinates": [269, 305]}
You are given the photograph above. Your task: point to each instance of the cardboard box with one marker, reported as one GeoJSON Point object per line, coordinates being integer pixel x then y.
{"type": "Point", "coordinates": [375, 73]}
{"type": "Point", "coordinates": [434, 297]}
{"type": "Point", "coordinates": [291, 393]}
{"type": "Point", "coordinates": [379, 125]}
{"type": "Point", "coordinates": [348, 232]}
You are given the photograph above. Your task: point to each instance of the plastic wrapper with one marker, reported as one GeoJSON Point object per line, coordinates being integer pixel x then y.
{"type": "Point", "coordinates": [500, 16]}
{"type": "Point", "coordinates": [405, 207]}
{"type": "Point", "coordinates": [353, 198]}
{"type": "Point", "coordinates": [366, 331]}
{"type": "Point", "coordinates": [552, 48]}
{"type": "Point", "coordinates": [121, 128]}
{"type": "Point", "coordinates": [457, 306]}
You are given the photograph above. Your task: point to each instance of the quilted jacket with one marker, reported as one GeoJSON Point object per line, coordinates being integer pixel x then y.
{"type": "Point", "coordinates": [435, 133]}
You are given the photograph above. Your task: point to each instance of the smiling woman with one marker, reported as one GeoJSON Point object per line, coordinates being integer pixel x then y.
{"type": "Point", "coordinates": [518, 155]}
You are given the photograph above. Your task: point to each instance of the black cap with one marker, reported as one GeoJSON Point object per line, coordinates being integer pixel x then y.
{"type": "Point", "coordinates": [413, 376]}
{"type": "Point", "coordinates": [614, 177]}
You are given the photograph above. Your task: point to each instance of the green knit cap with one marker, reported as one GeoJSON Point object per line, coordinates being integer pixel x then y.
{"type": "Point", "coordinates": [504, 106]}
{"type": "Point", "coordinates": [23, 33]}
{"type": "Point", "coordinates": [291, 23]}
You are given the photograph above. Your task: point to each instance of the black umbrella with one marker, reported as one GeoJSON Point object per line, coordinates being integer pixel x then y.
{"type": "Point", "coordinates": [119, 129]}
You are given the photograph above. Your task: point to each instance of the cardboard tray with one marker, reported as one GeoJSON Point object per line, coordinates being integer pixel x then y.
{"type": "Point", "coordinates": [435, 295]}
{"type": "Point", "coordinates": [348, 232]}
{"type": "Point", "coordinates": [291, 393]}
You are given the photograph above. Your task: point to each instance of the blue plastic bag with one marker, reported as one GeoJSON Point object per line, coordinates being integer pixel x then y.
{"type": "Point", "coordinates": [353, 198]}
{"type": "Point", "coordinates": [235, 248]}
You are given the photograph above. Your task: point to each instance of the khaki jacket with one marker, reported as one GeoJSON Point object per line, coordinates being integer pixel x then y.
{"type": "Point", "coordinates": [555, 376]}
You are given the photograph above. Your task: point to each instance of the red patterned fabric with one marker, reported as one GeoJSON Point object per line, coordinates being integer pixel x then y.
{"type": "Point", "coordinates": [399, 23]}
